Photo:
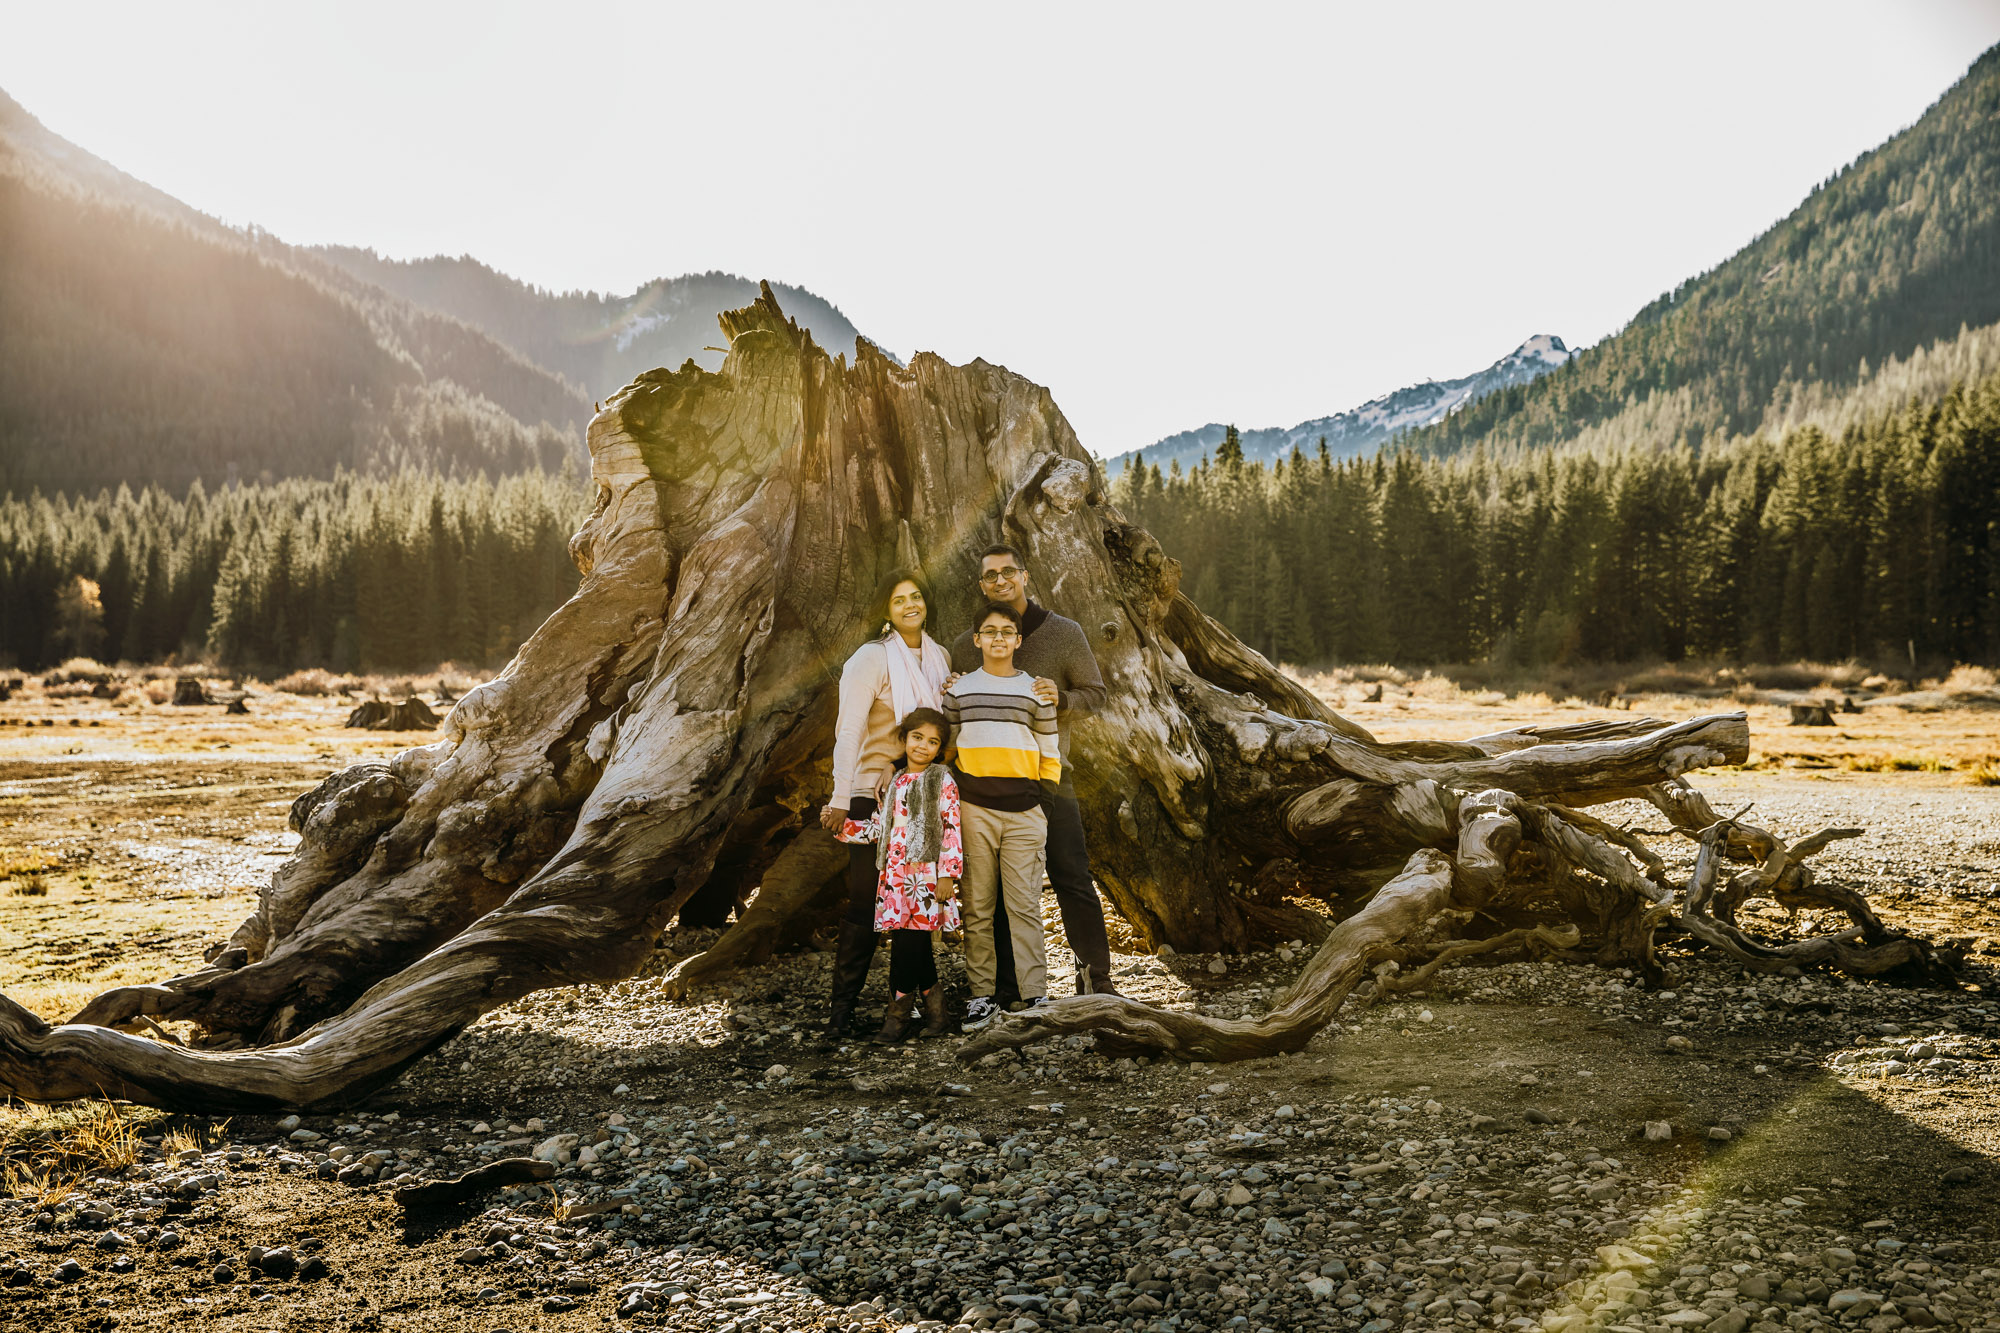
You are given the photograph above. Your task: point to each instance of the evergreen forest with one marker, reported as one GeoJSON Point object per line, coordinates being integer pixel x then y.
{"type": "Point", "coordinates": [1881, 541]}
{"type": "Point", "coordinates": [388, 572]}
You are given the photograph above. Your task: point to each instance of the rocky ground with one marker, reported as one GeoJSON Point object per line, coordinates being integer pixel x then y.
{"type": "Point", "coordinates": [1528, 1146]}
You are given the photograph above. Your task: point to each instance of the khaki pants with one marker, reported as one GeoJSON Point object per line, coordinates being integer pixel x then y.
{"type": "Point", "coordinates": [1004, 850]}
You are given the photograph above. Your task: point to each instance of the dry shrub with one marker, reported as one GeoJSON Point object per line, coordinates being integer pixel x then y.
{"type": "Point", "coordinates": [79, 669]}
{"type": "Point", "coordinates": [1970, 680]}
{"type": "Point", "coordinates": [1438, 689]}
{"type": "Point", "coordinates": [458, 680]}
{"type": "Point", "coordinates": [68, 689]}
{"type": "Point", "coordinates": [160, 691]}
{"type": "Point", "coordinates": [315, 682]}
{"type": "Point", "coordinates": [1985, 773]}
{"type": "Point", "coordinates": [1669, 678]}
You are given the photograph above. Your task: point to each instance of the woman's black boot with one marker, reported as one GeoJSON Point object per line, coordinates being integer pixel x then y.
{"type": "Point", "coordinates": [850, 972]}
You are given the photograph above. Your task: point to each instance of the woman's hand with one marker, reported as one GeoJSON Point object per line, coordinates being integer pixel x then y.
{"type": "Point", "coordinates": [831, 818]}
{"type": "Point", "coordinates": [947, 890]}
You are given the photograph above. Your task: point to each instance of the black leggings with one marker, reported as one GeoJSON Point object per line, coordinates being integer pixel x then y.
{"type": "Point", "coordinates": [912, 966]}
{"type": "Point", "coordinates": [862, 876]}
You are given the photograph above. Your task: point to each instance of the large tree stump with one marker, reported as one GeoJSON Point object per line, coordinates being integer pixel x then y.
{"type": "Point", "coordinates": [676, 715]}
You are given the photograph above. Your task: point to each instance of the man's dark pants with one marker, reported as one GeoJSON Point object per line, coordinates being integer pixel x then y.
{"type": "Point", "coordinates": [1076, 895]}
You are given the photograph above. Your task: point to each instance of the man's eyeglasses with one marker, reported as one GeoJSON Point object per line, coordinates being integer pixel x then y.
{"type": "Point", "coordinates": [1006, 573]}
{"type": "Point", "coordinates": [999, 635]}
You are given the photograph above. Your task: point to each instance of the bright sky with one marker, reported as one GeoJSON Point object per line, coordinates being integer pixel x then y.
{"type": "Point", "coordinates": [1170, 214]}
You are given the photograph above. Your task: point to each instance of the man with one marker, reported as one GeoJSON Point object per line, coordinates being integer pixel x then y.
{"type": "Point", "coordinates": [1056, 652]}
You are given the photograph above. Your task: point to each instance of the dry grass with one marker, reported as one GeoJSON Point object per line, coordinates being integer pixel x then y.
{"type": "Point", "coordinates": [70, 940]}
{"type": "Point", "coordinates": [47, 1151]}
{"type": "Point", "coordinates": [1985, 773]}
{"type": "Point", "coordinates": [1898, 763]}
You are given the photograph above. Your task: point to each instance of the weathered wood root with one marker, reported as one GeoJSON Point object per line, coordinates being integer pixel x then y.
{"type": "Point", "coordinates": [1353, 947]}
{"type": "Point", "coordinates": [1493, 830]}
{"type": "Point", "coordinates": [810, 864]}
{"type": "Point", "coordinates": [464, 1188]}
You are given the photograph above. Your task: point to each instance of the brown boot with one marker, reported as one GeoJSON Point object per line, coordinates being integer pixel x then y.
{"type": "Point", "coordinates": [895, 1023]}
{"type": "Point", "coordinates": [934, 1020]}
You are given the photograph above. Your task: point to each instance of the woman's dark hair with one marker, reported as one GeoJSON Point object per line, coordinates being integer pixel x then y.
{"type": "Point", "coordinates": [878, 610]}
{"type": "Point", "coordinates": [997, 609]}
{"type": "Point", "coordinates": [923, 717]}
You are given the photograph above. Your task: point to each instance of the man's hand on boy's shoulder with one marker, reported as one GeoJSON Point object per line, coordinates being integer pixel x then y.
{"type": "Point", "coordinates": [1046, 691]}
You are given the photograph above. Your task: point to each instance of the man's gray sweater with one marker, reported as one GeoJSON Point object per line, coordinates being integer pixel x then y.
{"type": "Point", "coordinates": [1056, 647]}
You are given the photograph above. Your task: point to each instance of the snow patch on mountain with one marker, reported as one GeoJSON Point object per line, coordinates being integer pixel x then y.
{"type": "Point", "coordinates": [1365, 428]}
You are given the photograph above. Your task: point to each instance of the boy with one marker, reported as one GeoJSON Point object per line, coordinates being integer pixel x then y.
{"type": "Point", "coordinates": [1007, 747]}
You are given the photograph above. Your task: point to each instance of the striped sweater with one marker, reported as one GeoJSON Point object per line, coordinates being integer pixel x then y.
{"type": "Point", "coordinates": [1007, 740]}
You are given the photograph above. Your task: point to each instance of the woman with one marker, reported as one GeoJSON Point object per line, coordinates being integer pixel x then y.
{"type": "Point", "coordinates": [887, 678]}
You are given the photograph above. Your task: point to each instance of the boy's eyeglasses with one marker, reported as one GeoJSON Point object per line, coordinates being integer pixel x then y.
{"type": "Point", "coordinates": [1006, 572]}
{"type": "Point", "coordinates": [997, 635]}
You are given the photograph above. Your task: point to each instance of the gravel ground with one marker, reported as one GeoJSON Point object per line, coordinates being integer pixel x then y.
{"type": "Point", "coordinates": [1526, 1146]}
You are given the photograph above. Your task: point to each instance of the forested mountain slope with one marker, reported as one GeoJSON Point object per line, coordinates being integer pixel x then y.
{"type": "Point", "coordinates": [597, 341]}
{"type": "Point", "coordinates": [143, 342]}
{"type": "Point", "coordinates": [1899, 249]}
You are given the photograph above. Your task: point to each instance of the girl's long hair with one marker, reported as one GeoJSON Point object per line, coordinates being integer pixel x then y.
{"type": "Point", "coordinates": [878, 609]}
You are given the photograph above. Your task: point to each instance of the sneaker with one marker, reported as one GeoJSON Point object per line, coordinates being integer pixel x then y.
{"type": "Point", "coordinates": [979, 1011]}
{"type": "Point", "coordinates": [1035, 1003]}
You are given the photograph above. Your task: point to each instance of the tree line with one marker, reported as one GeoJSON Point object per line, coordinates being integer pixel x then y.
{"type": "Point", "coordinates": [381, 572]}
{"type": "Point", "coordinates": [1882, 540]}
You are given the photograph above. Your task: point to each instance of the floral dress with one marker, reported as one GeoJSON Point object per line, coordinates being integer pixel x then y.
{"type": "Point", "coordinates": [906, 897]}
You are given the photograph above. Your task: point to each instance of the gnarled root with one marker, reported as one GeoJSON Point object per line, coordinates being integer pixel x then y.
{"type": "Point", "coordinates": [1125, 1026]}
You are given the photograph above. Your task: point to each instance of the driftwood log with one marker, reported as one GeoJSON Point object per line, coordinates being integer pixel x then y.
{"type": "Point", "coordinates": [672, 723]}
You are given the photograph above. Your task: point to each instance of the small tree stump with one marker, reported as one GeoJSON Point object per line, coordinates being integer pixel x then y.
{"type": "Point", "coordinates": [188, 691]}
{"type": "Point", "coordinates": [237, 706]}
{"type": "Point", "coordinates": [1811, 715]}
{"type": "Point", "coordinates": [402, 715]}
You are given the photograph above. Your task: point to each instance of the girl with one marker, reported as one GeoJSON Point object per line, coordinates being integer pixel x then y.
{"type": "Point", "coordinates": [917, 851]}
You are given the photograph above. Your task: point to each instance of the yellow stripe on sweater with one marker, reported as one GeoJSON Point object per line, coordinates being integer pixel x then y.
{"type": "Point", "coordinates": [985, 761]}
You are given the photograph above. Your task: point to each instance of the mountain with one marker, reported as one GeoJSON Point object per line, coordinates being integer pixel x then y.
{"type": "Point", "coordinates": [142, 341]}
{"type": "Point", "coordinates": [599, 342]}
{"type": "Point", "coordinates": [1368, 426]}
{"type": "Point", "coordinates": [1898, 251]}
